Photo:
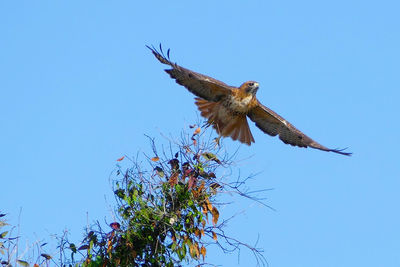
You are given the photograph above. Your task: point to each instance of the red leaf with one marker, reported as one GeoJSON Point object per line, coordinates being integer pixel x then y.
{"type": "Point", "coordinates": [115, 226]}
{"type": "Point", "coordinates": [192, 182]}
{"type": "Point", "coordinates": [121, 158]}
{"type": "Point", "coordinates": [174, 164]}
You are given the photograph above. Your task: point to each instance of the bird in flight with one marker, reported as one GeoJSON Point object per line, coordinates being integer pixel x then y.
{"type": "Point", "coordinates": [227, 107]}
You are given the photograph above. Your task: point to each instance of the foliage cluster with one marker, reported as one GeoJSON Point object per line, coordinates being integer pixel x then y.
{"type": "Point", "coordinates": [166, 214]}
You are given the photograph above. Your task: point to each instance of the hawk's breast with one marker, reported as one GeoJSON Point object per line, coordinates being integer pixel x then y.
{"type": "Point", "coordinates": [239, 104]}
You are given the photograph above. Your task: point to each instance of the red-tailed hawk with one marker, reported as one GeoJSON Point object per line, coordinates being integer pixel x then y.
{"type": "Point", "coordinates": [227, 108]}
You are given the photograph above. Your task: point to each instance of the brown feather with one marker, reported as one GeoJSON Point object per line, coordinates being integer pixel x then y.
{"type": "Point", "coordinates": [201, 85]}
{"type": "Point", "coordinates": [234, 126]}
{"type": "Point", "coordinates": [271, 123]}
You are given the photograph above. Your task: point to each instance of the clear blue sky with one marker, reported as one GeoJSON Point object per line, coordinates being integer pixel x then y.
{"type": "Point", "coordinates": [79, 90]}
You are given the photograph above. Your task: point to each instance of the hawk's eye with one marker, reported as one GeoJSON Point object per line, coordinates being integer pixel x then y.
{"type": "Point", "coordinates": [251, 84]}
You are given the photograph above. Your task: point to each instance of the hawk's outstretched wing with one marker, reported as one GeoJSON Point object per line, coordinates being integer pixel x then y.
{"type": "Point", "coordinates": [273, 124]}
{"type": "Point", "coordinates": [201, 85]}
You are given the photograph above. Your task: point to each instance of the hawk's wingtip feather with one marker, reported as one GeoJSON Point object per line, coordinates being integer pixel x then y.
{"type": "Point", "coordinates": [340, 151]}
{"type": "Point", "coordinates": [161, 49]}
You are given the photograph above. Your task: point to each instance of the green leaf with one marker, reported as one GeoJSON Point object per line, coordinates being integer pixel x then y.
{"type": "Point", "coordinates": [3, 234]}
{"type": "Point", "coordinates": [120, 193]}
{"type": "Point", "coordinates": [72, 247]}
{"type": "Point", "coordinates": [211, 156]}
{"type": "Point", "coordinates": [183, 251]}
{"type": "Point", "coordinates": [46, 256]}
{"type": "Point", "coordinates": [178, 188]}
{"type": "Point", "coordinates": [90, 234]}
{"type": "Point", "coordinates": [23, 263]}
{"type": "Point", "coordinates": [159, 171]}
{"type": "Point", "coordinates": [83, 247]}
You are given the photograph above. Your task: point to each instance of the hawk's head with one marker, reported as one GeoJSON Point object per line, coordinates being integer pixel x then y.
{"type": "Point", "coordinates": [250, 87]}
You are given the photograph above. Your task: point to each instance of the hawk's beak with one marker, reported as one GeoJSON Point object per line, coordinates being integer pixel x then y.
{"type": "Point", "coordinates": [255, 87]}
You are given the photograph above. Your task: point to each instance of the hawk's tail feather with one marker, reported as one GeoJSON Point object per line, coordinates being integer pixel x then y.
{"type": "Point", "coordinates": [237, 127]}
{"type": "Point", "coordinates": [245, 133]}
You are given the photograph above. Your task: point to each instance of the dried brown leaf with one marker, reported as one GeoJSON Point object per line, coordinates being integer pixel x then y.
{"type": "Point", "coordinates": [197, 131]}
{"type": "Point", "coordinates": [200, 187]}
{"type": "Point", "coordinates": [214, 236]}
{"type": "Point", "coordinates": [173, 180]}
{"type": "Point", "coordinates": [209, 206]}
{"type": "Point", "coordinates": [197, 249]}
{"type": "Point", "coordinates": [215, 214]}
{"type": "Point", "coordinates": [197, 233]}
{"type": "Point", "coordinates": [203, 252]}
{"type": "Point", "coordinates": [204, 210]}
